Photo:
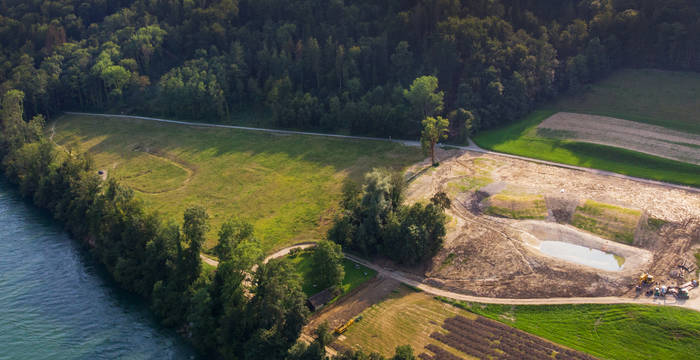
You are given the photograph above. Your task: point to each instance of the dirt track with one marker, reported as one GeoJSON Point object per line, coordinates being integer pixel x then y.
{"type": "Point", "coordinates": [485, 256]}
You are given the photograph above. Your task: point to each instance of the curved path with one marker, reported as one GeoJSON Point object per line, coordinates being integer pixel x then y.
{"type": "Point", "coordinates": [693, 303]}
{"type": "Point", "coordinates": [472, 146]}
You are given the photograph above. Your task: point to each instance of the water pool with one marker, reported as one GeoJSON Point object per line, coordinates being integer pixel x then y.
{"type": "Point", "coordinates": [582, 255]}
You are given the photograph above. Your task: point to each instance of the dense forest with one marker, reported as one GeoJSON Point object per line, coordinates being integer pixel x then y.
{"type": "Point", "coordinates": [337, 65]}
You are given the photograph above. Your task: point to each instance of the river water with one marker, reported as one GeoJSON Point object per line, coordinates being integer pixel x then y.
{"type": "Point", "coordinates": [56, 302]}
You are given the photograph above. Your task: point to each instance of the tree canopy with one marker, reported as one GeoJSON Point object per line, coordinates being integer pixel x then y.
{"type": "Point", "coordinates": [360, 66]}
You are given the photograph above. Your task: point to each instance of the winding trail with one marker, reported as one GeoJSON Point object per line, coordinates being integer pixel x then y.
{"type": "Point", "coordinates": [693, 303]}
{"type": "Point", "coordinates": [472, 146]}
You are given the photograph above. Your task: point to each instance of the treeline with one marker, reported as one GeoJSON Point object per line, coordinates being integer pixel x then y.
{"type": "Point", "coordinates": [374, 220]}
{"type": "Point", "coordinates": [330, 65]}
{"type": "Point", "coordinates": [231, 313]}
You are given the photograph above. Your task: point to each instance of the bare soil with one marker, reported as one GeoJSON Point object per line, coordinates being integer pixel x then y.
{"type": "Point", "coordinates": [650, 139]}
{"type": "Point", "coordinates": [352, 304]}
{"type": "Point", "coordinates": [488, 256]}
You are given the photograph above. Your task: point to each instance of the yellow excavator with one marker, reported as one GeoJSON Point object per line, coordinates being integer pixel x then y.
{"type": "Point", "coordinates": [646, 279]}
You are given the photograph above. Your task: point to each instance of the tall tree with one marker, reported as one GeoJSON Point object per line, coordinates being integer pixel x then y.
{"type": "Point", "coordinates": [327, 264]}
{"type": "Point", "coordinates": [434, 130]}
{"type": "Point", "coordinates": [424, 96]}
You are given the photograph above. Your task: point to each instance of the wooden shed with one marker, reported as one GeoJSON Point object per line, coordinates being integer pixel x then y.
{"type": "Point", "coordinates": [319, 300]}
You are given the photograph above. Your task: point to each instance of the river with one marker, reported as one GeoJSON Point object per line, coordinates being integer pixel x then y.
{"type": "Point", "coordinates": [56, 302]}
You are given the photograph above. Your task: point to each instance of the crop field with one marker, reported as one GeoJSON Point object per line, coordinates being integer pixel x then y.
{"type": "Point", "coordinates": [520, 138]}
{"type": "Point", "coordinates": [664, 98]}
{"type": "Point", "coordinates": [606, 331]}
{"type": "Point", "coordinates": [609, 221]}
{"type": "Point", "coordinates": [404, 317]}
{"type": "Point", "coordinates": [437, 330]}
{"type": "Point", "coordinates": [355, 274]}
{"type": "Point", "coordinates": [488, 339]}
{"type": "Point", "coordinates": [287, 186]}
{"type": "Point", "coordinates": [517, 206]}
{"type": "Point", "coordinates": [643, 97]}
{"type": "Point", "coordinates": [645, 138]}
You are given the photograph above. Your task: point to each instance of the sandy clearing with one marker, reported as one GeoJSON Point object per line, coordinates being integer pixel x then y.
{"type": "Point", "coordinates": [650, 139]}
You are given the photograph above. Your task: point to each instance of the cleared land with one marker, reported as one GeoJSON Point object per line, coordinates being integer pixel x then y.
{"type": "Point", "coordinates": [650, 139]}
{"type": "Point", "coordinates": [661, 98]}
{"type": "Point", "coordinates": [495, 257]}
{"type": "Point", "coordinates": [286, 185]}
{"type": "Point", "coordinates": [607, 331]}
{"type": "Point", "coordinates": [355, 274]}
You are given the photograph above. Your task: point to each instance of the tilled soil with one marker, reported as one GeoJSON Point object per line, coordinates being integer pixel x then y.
{"type": "Point", "coordinates": [353, 304]}
{"type": "Point", "coordinates": [485, 256]}
{"type": "Point", "coordinates": [650, 139]}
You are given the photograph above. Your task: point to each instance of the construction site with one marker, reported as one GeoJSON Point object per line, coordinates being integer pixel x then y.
{"type": "Point", "coordinates": [520, 229]}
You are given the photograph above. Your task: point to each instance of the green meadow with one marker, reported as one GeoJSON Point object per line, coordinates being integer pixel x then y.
{"type": "Point", "coordinates": [287, 186]}
{"type": "Point", "coordinates": [606, 331]}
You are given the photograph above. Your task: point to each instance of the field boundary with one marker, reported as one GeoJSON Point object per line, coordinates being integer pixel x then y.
{"type": "Point", "coordinates": [471, 147]}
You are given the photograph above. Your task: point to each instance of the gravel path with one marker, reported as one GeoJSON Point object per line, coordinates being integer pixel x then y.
{"type": "Point", "coordinates": [472, 146]}
{"type": "Point", "coordinates": [693, 303]}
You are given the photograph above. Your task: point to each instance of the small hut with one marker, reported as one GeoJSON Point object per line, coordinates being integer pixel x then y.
{"type": "Point", "coordinates": [319, 300]}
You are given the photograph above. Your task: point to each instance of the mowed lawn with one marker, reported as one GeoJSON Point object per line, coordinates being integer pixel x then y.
{"type": "Point", "coordinates": [607, 331]}
{"type": "Point", "coordinates": [663, 98]}
{"type": "Point", "coordinates": [287, 186]}
{"type": "Point", "coordinates": [355, 274]}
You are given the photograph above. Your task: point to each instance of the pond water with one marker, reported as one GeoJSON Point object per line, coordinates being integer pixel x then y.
{"type": "Point", "coordinates": [583, 255]}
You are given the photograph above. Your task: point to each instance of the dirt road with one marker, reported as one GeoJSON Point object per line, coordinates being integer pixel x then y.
{"type": "Point", "coordinates": [693, 303]}
{"type": "Point", "coordinates": [471, 147]}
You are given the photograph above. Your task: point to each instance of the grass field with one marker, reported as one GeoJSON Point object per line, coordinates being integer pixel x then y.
{"type": "Point", "coordinates": [665, 98]}
{"type": "Point", "coordinates": [607, 331]}
{"type": "Point", "coordinates": [517, 206]}
{"type": "Point", "coordinates": [354, 274]}
{"type": "Point", "coordinates": [288, 186]}
{"type": "Point", "coordinates": [405, 317]}
{"type": "Point", "coordinates": [520, 138]}
{"type": "Point", "coordinates": [609, 221]}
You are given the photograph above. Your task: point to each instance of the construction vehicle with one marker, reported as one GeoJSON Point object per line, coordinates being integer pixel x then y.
{"type": "Point", "coordinates": [645, 279]}
{"type": "Point", "coordinates": [341, 329]}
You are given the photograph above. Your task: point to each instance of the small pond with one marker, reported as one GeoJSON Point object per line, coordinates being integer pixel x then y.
{"type": "Point", "coordinates": [582, 255]}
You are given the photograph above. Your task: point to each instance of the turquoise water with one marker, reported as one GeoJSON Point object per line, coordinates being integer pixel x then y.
{"type": "Point", "coordinates": [583, 255]}
{"type": "Point", "coordinates": [57, 303]}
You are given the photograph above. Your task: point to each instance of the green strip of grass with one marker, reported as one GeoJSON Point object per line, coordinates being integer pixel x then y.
{"type": "Point", "coordinates": [519, 138]}
{"type": "Point", "coordinates": [517, 206]}
{"type": "Point", "coordinates": [354, 274]}
{"type": "Point", "coordinates": [606, 331]}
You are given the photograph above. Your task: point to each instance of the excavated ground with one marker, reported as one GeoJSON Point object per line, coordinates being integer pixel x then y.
{"type": "Point", "coordinates": [489, 256]}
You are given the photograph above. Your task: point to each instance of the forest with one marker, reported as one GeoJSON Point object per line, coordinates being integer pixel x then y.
{"type": "Point", "coordinates": [337, 66]}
